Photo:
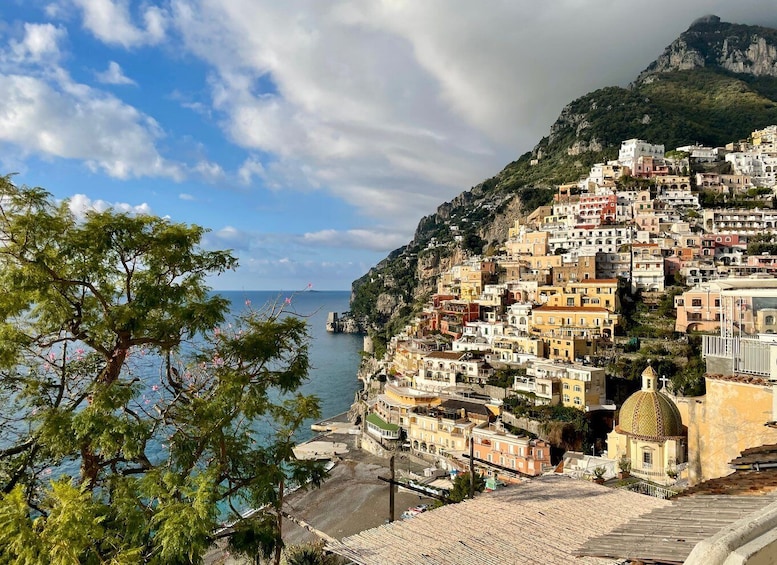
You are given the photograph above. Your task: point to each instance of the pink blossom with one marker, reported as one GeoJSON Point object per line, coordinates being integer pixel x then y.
{"type": "Point", "coordinates": [155, 388]}
{"type": "Point", "coordinates": [288, 300]}
{"type": "Point", "coordinates": [248, 302]}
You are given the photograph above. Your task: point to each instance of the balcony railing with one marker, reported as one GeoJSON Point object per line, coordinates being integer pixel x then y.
{"type": "Point", "coordinates": [748, 356]}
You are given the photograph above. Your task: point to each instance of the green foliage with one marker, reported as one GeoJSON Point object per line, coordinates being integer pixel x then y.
{"type": "Point", "coordinates": [533, 197]}
{"type": "Point", "coordinates": [504, 378]}
{"type": "Point", "coordinates": [461, 487]}
{"type": "Point", "coordinates": [472, 243]}
{"type": "Point", "coordinates": [312, 554]}
{"type": "Point", "coordinates": [761, 244]}
{"type": "Point", "coordinates": [112, 345]}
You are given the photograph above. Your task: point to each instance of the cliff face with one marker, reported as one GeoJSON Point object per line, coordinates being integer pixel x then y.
{"type": "Point", "coordinates": [711, 43]}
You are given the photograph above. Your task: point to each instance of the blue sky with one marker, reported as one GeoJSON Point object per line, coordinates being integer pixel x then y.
{"type": "Point", "coordinates": [309, 137]}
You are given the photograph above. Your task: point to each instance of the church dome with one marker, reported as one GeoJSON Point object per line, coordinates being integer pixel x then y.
{"type": "Point", "coordinates": [649, 413]}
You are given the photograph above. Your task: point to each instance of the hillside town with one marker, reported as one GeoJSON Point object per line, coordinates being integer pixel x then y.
{"type": "Point", "coordinates": [516, 343]}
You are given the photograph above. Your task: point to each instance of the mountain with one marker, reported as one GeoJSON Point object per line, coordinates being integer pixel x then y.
{"type": "Point", "coordinates": [714, 84]}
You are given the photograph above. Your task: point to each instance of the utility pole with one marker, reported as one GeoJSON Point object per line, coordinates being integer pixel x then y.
{"type": "Point", "coordinates": [392, 487]}
{"type": "Point", "coordinates": [471, 468]}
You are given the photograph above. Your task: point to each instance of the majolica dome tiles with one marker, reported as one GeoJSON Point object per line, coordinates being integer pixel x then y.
{"type": "Point", "coordinates": [650, 415]}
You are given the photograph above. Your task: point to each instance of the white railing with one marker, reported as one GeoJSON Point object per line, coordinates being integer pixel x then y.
{"type": "Point", "coordinates": [749, 356]}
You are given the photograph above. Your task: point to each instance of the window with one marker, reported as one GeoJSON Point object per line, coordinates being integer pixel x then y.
{"type": "Point", "coordinates": [566, 398]}
{"type": "Point", "coordinates": [578, 402]}
{"type": "Point", "coordinates": [577, 388]}
{"type": "Point", "coordinates": [717, 302]}
{"type": "Point", "coordinates": [647, 459]}
{"type": "Point", "coordinates": [566, 386]}
{"type": "Point", "coordinates": [696, 302]}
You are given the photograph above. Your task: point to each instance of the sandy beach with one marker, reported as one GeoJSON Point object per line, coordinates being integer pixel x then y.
{"type": "Point", "coordinates": [352, 499]}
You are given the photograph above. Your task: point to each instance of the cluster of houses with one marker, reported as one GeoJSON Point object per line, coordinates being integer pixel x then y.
{"type": "Point", "coordinates": [548, 307]}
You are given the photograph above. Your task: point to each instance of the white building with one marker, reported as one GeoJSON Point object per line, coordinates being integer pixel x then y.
{"type": "Point", "coordinates": [632, 149]}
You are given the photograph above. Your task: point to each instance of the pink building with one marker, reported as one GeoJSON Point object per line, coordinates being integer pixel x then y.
{"type": "Point", "coordinates": [698, 309]}
{"type": "Point", "coordinates": [506, 456]}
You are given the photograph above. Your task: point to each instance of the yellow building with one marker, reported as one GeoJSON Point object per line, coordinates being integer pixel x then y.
{"type": "Point", "coordinates": [569, 348]}
{"type": "Point", "coordinates": [439, 431]}
{"type": "Point", "coordinates": [649, 433]}
{"type": "Point", "coordinates": [597, 292]}
{"type": "Point", "coordinates": [581, 386]}
{"type": "Point", "coordinates": [735, 414]}
{"type": "Point", "coordinates": [511, 348]}
{"type": "Point", "coordinates": [570, 321]}
{"type": "Point", "coordinates": [522, 242]}
{"type": "Point", "coordinates": [396, 403]}
{"type": "Point", "coordinates": [408, 356]}
{"type": "Point", "coordinates": [474, 277]}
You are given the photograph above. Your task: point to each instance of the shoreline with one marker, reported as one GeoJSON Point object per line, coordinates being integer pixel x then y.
{"type": "Point", "coordinates": [350, 500]}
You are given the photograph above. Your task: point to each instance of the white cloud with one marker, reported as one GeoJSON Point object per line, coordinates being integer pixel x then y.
{"type": "Point", "coordinates": [112, 23]}
{"type": "Point", "coordinates": [80, 204]}
{"type": "Point", "coordinates": [40, 41]}
{"type": "Point", "coordinates": [357, 239]}
{"type": "Point", "coordinates": [73, 121]}
{"type": "Point", "coordinates": [209, 171]}
{"type": "Point", "coordinates": [187, 197]}
{"type": "Point", "coordinates": [114, 75]}
{"type": "Point", "coordinates": [250, 168]}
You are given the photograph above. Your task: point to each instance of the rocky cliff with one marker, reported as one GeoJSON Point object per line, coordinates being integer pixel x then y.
{"type": "Point", "coordinates": [711, 43]}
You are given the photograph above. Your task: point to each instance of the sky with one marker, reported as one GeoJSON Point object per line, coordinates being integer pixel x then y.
{"type": "Point", "coordinates": [309, 137]}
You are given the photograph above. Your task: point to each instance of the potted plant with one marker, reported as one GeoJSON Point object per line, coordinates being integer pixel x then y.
{"type": "Point", "coordinates": [624, 467]}
{"type": "Point", "coordinates": [599, 475]}
{"type": "Point", "coordinates": [671, 472]}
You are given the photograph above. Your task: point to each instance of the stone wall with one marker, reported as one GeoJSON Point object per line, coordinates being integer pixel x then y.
{"type": "Point", "coordinates": [532, 426]}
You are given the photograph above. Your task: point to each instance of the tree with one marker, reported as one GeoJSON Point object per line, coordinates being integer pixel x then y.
{"type": "Point", "coordinates": [461, 487]}
{"type": "Point", "coordinates": [312, 555]}
{"type": "Point", "coordinates": [131, 423]}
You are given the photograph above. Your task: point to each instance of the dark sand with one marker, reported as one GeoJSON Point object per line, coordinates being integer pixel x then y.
{"type": "Point", "coordinates": [351, 500]}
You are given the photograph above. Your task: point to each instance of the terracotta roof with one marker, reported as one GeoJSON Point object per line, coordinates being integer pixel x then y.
{"type": "Point", "coordinates": [749, 379]}
{"type": "Point", "coordinates": [540, 522]}
{"type": "Point", "coordinates": [445, 355]}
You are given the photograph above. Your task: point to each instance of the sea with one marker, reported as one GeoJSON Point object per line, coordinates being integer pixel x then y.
{"type": "Point", "coordinates": [334, 357]}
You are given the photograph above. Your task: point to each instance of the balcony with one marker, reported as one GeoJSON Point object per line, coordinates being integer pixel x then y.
{"type": "Point", "coordinates": [734, 355]}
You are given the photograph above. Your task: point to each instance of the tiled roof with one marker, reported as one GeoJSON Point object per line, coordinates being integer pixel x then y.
{"type": "Point", "coordinates": [669, 534]}
{"type": "Point", "coordinates": [749, 379]}
{"type": "Point", "coordinates": [455, 355]}
{"type": "Point", "coordinates": [650, 415]}
{"type": "Point", "coordinates": [540, 522]}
